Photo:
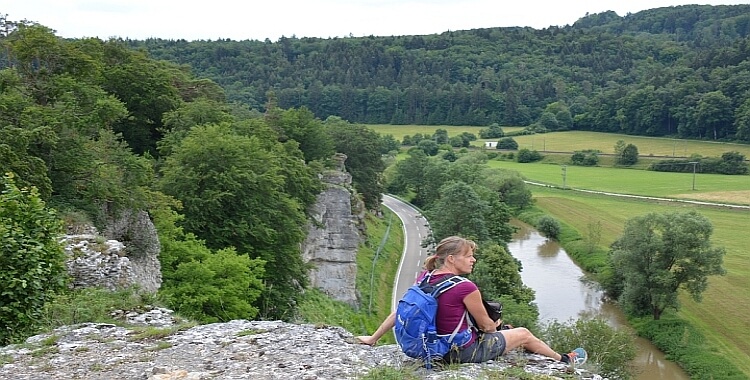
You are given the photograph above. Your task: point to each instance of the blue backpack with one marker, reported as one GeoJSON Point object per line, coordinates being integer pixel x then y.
{"type": "Point", "coordinates": [415, 329]}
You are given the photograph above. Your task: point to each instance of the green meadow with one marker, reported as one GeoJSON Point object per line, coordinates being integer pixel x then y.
{"type": "Point", "coordinates": [571, 141]}
{"type": "Point", "coordinates": [701, 187]}
{"type": "Point", "coordinates": [723, 316]}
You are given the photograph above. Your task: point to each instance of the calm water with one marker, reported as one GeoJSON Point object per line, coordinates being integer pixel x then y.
{"type": "Point", "coordinates": [562, 295]}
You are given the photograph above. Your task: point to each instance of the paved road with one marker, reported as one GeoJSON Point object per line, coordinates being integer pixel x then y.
{"type": "Point", "coordinates": [416, 229]}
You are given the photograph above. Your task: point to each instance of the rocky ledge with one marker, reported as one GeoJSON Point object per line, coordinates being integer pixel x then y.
{"type": "Point", "coordinates": [238, 349]}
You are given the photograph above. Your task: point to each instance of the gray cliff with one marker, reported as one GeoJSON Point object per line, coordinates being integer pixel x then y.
{"type": "Point", "coordinates": [334, 236]}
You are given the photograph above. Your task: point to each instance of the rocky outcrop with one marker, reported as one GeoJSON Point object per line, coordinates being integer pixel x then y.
{"type": "Point", "coordinates": [128, 256]}
{"type": "Point", "coordinates": [138, 233]}
{"type": "Point", "coordinates": [95, 262]}
{"type": "Point", "coordinates": [258, 350]}
{"type": "Point", "coordinates": [333, 236]}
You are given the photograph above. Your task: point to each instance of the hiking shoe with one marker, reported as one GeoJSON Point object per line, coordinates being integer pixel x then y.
{"type": "Point", "coordinates": [576, 357]}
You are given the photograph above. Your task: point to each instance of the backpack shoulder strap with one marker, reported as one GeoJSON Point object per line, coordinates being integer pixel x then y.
{"type": "Point", "coordinates": [447, 284]}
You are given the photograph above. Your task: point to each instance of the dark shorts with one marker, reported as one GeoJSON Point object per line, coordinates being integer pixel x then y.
{"type": "Point", "coordinates": [487, 346]}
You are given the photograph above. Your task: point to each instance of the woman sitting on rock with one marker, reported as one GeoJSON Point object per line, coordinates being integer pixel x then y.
{"type": "Point", "coordinates": [455, 256]}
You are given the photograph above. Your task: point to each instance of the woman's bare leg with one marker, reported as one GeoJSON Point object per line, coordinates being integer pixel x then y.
{"type": "Point", "coordinates": [522, 337]}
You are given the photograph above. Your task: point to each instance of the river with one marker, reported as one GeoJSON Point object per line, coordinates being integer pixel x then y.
{"type": "Point", "coordinates": [562, 295]}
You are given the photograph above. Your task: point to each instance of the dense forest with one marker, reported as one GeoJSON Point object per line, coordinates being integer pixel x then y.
{"type": "Point", "coordinates": [92, 129]}
{"type": "Point", "coordinates": [675, 71]}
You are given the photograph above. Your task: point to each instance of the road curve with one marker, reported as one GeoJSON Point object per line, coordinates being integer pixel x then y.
{"type": "Point", "coordinates": [416, 229]}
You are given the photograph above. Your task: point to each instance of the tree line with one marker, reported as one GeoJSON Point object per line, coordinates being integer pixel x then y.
{"type": "Point", "coordinates": [677, 71]}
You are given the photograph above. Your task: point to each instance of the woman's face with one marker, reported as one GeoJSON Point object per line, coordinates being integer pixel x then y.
{"type": "Point", "coordinates": [464, 262]}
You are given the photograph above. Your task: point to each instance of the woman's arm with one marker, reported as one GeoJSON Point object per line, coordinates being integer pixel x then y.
{"type": "Point", "coordinates": [386, 325]}
{"type": "Point", "coordinates": [473, 303]}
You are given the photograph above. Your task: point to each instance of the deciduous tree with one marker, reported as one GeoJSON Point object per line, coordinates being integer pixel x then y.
{"type": "Point", "coordinates": [233, 192]}
{"type": "Point", "coordinates": [659, 254]}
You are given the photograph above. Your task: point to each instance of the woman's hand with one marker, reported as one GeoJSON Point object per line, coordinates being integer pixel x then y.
{"type": "Point", "coordinates": [368, 340]}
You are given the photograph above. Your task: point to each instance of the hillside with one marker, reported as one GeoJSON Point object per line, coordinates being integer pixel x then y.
{"type": "Point", "coordinates": [673, 71]}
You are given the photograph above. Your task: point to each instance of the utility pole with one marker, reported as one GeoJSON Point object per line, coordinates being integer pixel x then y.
{"type": "Point", "coordinates": [694, 165]}
{"type": "Point", "coordinates": [564, 175]}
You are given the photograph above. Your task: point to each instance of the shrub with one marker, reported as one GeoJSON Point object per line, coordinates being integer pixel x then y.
{"type": "Point", "coordinates": [526, 155]}
{"type": "Point", "coordinates": [507, 143]}
{"type": "Point", "coordinates": [610, 350]}
{"type": "Point", "coordinates": [549, 227]}
{"type": "Point", "coordinates": [32, 261]}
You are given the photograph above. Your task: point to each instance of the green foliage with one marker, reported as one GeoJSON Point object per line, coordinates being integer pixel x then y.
{"type": "Point", "coordinates": [18, 138]}
{"type": "Point", "coordinates": [31, 258]}
{"type": "Point", "coordinates": [629, 155]}
{"type": "Point", "coordinates": [430, 147]}
{"type": "Point", "coordinates": [526, 155]}
{"type": "Point", "coordinates": [686, 345]}
{"type": "Point", "coordinates": [318, 308]}
{"type": "Point", "coordinates": [389, 144]}
{"type": "Point", "coordinates": [448, 215]}
{"type": "Point", "coordinates": [362, 147]}
{"type": "Point", "coordinates": [235, 199]}
{"type": "Point", "coordinates": [730, 163]}
{"type": "Point", "coordinates": [216, 286]}
{"type": "Point", "coordinates": [146, 87]}
{"type": "Point", "coordinates": [549, 227]}
{"type": "Point", "coordinates": [224, 285]}
{"type": "Point", "coordinates": [610, 351]}
{"type": "Point", "coordinates": [492, 132]}
{"type": "Point", "coordinates": [301, 126]}
{"type": "Point", "coordinates": [657, 255]}
{"type": "Point", "coordinates": [497, 273]}
{"type": "Point", "coordinates": [584, 158]}
{"type": "Point", "coordinates": [507, 143]}
{"type": "Point", "coordinates": [91, 305]}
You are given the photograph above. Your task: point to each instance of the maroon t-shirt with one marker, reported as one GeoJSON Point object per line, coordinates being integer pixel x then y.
{"type": "Point", "coordinates": [451, 304]}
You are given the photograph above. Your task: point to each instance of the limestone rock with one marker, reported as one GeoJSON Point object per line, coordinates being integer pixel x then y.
{"type": "Point", "coordinates": [334, 236]}
{"type": "Point", "coordinates": [240, 349]}
{"type": "Point", "coordinates": [127, 256]}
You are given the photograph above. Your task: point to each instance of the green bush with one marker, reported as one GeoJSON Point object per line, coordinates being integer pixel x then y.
{"type": "Point", "coordinates": [507, 143]}
{"type": "Point", "coordinates": [32, 261]}
{"type": "Point", "coordinates": [610, 351]}
{"type": "Point", "coordinates": [549, 227]}
{"type": "Point", "coordinates": [526, 155]}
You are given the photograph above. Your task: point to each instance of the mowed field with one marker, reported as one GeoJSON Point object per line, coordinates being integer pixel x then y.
{"type": "Point", "coordinates": [571, 141]}
{"type": "Point", "coordinates": [724, 313]}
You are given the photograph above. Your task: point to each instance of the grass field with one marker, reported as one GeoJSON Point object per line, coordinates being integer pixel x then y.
{"type": "Point", "coordinates": [571, 141]}
{"type": "Point", "coordinates": [702, 187]}
{"type": "Point", "coordinates": [724, 314]}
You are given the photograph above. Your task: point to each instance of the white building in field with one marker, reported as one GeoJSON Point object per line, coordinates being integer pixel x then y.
{"type": "Point", "coordinates": [490, 144]}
